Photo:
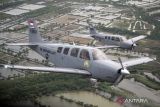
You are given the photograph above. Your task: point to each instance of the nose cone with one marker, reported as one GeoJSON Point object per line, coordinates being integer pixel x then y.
{"type": "Point", "coordinates": [125, 72]}
{"type": "Point", "coordinates": [134, 45]}
{"type": "Point", "coordinates": [128, 44]}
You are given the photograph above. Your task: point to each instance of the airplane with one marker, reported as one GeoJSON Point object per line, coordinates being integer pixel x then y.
{"type": "Point", "coordinates": [117, 40]}
{"type": "Point", "coordinates": [75, 59]}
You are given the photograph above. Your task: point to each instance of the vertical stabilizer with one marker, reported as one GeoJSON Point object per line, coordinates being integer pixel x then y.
{"type": "Point", "coordinates": [92, 30]}
{"type": "Point", "coordinates": [34, 35]}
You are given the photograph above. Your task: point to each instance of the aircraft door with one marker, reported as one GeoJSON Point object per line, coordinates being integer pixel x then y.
{"type": "Point", "coordinates": [58, 57]}
{"type": "Point", "coordinates": [65, 57]}
{"type": "Point", "coordinates": [73, 58]}
{"type": "Point", "coordinates": [84, 59]}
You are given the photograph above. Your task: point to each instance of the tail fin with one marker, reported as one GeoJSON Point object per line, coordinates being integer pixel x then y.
{"type": "Point", "coordinates": [92, 30]}
{"type": "Point", "coordinates": [34, 35]}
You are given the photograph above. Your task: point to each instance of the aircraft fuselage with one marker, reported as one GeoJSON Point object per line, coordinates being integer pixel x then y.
{"type": "Point", "coordinates": [114, 40]}
{"type": "Point", "coordinates": [81, 57]}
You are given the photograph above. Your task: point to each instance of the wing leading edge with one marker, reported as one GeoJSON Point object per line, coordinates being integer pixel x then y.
{"type": "Point", "coordinates": [138, 61]}
{"type": "Point", "coordinates": [48, 69]}
{"type": "Point", "coordinates": [135, 39]}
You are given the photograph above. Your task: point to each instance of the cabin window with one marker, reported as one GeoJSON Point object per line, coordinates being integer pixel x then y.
{"type": "Point", "coordinates": [74, 52]}
{"type": "Point", "coordinates": [85, 54]}
{"type": "Point", "coordinates": [59, 50]}
{"type": "Point", "coordinates": [108, 37]}
{"type": "Point", "coordinates": [105, 37]}
{"type": "Point", "coordinates": [117, 39]}
{"type": "Point", "coordinates": [113, 38]}
{"type": "Point", "coordinates": [66, 50]}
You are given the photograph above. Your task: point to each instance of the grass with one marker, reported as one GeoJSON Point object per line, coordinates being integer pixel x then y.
{"type": "Point", "coordinates": [4, 16]}
{"type": "Point", "coordinates": [32, 86]}
{"type": "Point", "coordinates": [104, 86]}
{"type": "Point", "coordinates": [144, 80]}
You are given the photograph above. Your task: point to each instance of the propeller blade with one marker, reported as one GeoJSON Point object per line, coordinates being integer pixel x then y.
{"type": "Point", "coordinates": [134, 44]}
{"type": "Point", "coordinates": [123, 70]}
{"type": "Point", "coordinates": [120, 61]}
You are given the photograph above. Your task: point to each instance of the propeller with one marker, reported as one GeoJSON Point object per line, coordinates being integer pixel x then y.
{"type": "Point", "coordinates": [133, 44]}
{"type": "Point", "coordinates": [123, 70]}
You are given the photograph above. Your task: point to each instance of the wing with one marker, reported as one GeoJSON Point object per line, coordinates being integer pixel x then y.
{"type": "Point", "coordinates": [28, 44]}
{"type": "Point", "coordinates": [50, 44]}
{"type": "Point", "coordinates": [137, 61]}
{"type": "Point", "coordinates": [22, 44]}
{"type": "Point", "coordinates": [138, 38]}
{"type": "Point", "coordinates": [107, 46]}
{"type": "Point", "coordinates": [48, 69]}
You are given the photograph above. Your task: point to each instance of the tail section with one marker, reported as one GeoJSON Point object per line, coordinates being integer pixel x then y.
{"type": "Point", "coordinates": [92, 30]}
{"type": "Point", "coordinates": [34, 35]}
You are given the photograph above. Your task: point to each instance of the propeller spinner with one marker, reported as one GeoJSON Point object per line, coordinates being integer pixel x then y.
{"type": "Point", "coordinates": [123, 70]}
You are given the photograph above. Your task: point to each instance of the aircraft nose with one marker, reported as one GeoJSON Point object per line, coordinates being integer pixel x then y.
{"type": "Point", "coordinates": [124, 71]}
{"type": "Point", "coordinates": [131, 44]}
{"type": "Point", "coordinates": [134, 45]}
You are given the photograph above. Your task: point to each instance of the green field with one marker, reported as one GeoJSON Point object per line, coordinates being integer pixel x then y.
{"type": "Point", "coordinates": [32, 86]}
{"type": "Point", "coordinates": [4, 16]}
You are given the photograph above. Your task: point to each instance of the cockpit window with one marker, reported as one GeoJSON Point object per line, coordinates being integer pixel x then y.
{"type": "Point", "coordinates": [74, 52]}
{"type": "Point", "coordinates": [117, 39]}
{"type": "Point", "coordinates": [98, 55]}
{"type": "Point", "coordinates": [59, 50]}
{"type": "Point", "coordinates": [122, 39]}
{"type": "Point", "coordinates": [84, 54]}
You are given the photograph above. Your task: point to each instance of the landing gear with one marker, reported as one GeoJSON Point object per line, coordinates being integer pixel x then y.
{"type": "Point", "coordinates": [94, 82]}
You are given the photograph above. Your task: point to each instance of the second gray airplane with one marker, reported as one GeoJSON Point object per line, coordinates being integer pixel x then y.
{"type": "Point", "coordinates": [117, 40]}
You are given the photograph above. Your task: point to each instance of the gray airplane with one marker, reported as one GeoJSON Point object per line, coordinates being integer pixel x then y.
{"type": "Point", "coordinates": [75, 59]}
{"type": "Point", "coordinates": [117, 40]}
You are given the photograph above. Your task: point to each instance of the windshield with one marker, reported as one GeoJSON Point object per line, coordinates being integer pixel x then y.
{"type": "Point", "coordinates": [98, 55]}
{"type": "Point", "coordinates": [123, 38]}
